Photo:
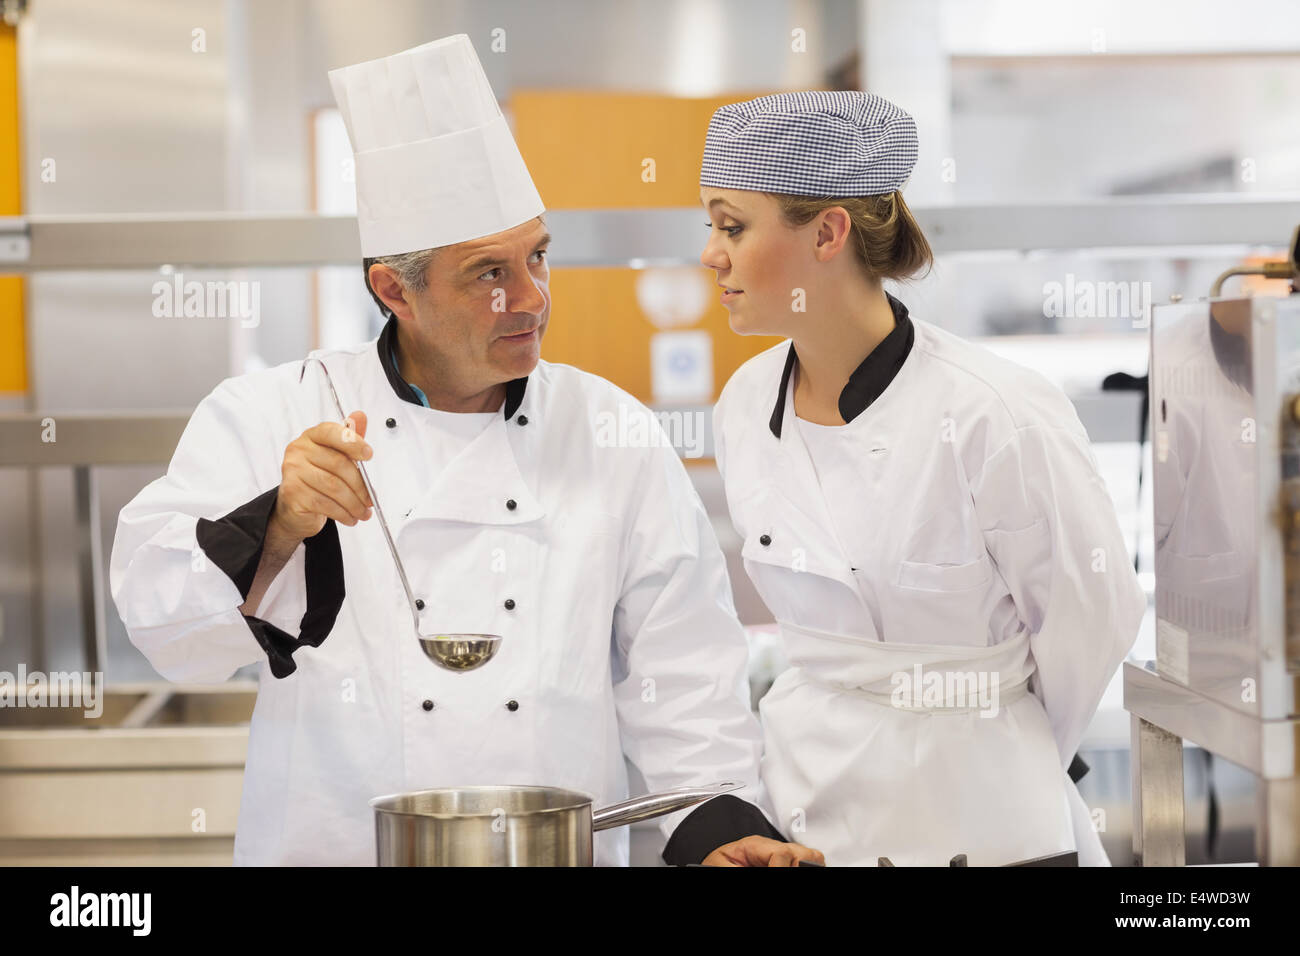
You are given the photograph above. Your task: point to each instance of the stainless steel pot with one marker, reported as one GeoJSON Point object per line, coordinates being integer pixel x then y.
{"type": "Point", "coordinates": [510, 826]}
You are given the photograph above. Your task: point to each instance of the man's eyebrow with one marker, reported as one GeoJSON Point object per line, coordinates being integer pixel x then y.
{"type": "Point", "coordinates": [488, 259]}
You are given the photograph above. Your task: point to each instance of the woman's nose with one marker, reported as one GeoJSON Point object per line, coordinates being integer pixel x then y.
{"type": "Point", "coordinates": [712, 256]}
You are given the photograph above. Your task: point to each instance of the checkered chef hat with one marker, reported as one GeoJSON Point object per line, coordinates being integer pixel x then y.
{"type": "Point", "coordinates": [814, 143]}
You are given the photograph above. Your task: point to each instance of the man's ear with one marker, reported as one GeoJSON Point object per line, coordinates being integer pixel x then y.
{"type": "Point", "coordinates": [389, 289]}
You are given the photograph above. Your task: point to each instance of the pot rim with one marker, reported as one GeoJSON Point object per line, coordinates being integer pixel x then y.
{"type": "Point", "coordinates": [583, 799]}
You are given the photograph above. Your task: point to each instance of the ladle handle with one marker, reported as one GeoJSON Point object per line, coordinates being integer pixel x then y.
{"type": "Point", "coordinates": [379, 512]}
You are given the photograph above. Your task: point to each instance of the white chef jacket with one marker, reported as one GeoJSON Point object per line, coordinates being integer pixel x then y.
{"type": "Point", "coordinates": [597, 565]}
{"type": "Point", "coordinates": [962, 527]}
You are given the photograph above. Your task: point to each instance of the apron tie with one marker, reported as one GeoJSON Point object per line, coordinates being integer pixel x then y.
{"type": "Point", "coordinates": [918, 678]}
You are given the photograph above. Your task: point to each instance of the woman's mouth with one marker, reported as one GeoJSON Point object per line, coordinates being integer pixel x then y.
{"type": "Point", "coordinates": [729, 295]}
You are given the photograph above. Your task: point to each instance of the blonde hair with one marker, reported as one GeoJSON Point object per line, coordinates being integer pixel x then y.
{"type": "Point", "coordinates": [887, 238]}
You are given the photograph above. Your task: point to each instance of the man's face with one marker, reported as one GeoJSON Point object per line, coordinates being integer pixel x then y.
{"type": "Point", "coordinates": [480, 320]}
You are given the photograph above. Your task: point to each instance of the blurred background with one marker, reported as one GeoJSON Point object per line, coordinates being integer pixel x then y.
{"type": "Point", "coordinates": [1078, 163]}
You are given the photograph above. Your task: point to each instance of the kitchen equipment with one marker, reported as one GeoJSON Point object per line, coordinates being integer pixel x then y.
{"type": "Point", "coordinates": [510, 826]}
{"type": "Point", "coordinates": [454, 652]}
{"type": "Point", "coordinates": [1225, 416]}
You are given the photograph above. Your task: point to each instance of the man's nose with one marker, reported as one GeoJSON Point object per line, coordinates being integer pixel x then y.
{"type": "Point", "coordinates": [525, 295]}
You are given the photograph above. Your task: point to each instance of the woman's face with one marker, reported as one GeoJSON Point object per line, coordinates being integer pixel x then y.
{"type": "Point", "coordinates": [766, 263]}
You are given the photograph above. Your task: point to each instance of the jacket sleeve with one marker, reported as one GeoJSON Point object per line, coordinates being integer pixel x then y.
{"type": "Point", "coordinates": [1051, 529]}
{"type": "Point", "coordinates": [681, 682]}
{"type": "Point", "coordinates": [188, 545]}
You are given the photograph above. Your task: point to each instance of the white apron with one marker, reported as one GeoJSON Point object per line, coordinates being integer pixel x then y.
{"type": "Point", "coordinates": [886, 775]}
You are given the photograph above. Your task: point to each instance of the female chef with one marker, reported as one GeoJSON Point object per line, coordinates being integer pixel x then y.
{"type": "Point", "coordinates": [924, 519]}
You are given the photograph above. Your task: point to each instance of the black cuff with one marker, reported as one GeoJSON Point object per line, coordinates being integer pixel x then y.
{"type": "Point", "coordinates": [1077, 768]}
{"type": "Point", "coordinates": [234, 544]}
{"type": "Point", "coordinates": [721, 820]}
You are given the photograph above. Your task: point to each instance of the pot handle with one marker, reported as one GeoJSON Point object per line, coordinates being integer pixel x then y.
{"type": "Point", "coordinates": [657, 804]}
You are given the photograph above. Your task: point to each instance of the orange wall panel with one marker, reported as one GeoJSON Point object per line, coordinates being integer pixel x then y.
{"type": "Point", "coordinates": [13, 345]}
{"type": "Point", "coordinates": [586, 150]}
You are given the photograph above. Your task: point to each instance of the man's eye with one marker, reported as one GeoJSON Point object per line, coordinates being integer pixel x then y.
{"type": "Point", "coordinates": [542, 253]}
{"type": "Point", "coordinates": [490, 272]}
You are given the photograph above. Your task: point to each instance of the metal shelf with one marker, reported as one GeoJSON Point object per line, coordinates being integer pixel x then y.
{"type": "Point", "coordinates": [626, 237]}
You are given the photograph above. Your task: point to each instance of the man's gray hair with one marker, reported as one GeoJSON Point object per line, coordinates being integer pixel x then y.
{"type": "Point", "coordinates": [411, 268]}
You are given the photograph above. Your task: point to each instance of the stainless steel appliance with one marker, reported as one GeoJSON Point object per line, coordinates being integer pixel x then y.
{"type": "Point", "coordinates": [1225, 413]}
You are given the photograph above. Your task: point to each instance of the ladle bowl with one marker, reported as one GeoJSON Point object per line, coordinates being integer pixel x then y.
{"type": "Point", "coordinates": [460, 652]}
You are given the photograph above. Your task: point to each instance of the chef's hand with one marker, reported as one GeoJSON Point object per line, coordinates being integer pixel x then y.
{"type": "Point", "coordinates": [761, 851]}
{"type": "Point", "coordinates": [320, 480]}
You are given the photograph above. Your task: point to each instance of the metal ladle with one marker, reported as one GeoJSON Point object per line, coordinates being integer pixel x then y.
{"type": "Point", "coordinates": [454, 652]}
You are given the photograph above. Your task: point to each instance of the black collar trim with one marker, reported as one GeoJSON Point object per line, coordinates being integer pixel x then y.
{"type": "Point", "coordinates": [869, 379]}
{"type": "Point", "coordinates": [388, 339]}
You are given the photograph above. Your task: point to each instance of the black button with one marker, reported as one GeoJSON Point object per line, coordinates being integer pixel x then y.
{"type": "Point", "coordinates": [391, 423]}
{"type": "Point", "coordinates": [522, 419]}
{"type": "Point", "coordinates": [419, 604]}
{"type": "Point", "coordinates": [510, 604]}
{"type": "Point", "coordinates": [765, 540]}
{"type": "Point", "coordinates": [511, 505]}
{"type": "Point", "coordinates": [427, 705]}
{"type": "Point", "coordinates": [512, 705]}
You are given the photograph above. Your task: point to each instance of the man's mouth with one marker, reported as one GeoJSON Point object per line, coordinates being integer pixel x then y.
{"type": "Point", "coordinates": [520, 336]}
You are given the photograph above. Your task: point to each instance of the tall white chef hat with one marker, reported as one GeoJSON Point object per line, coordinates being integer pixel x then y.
{"type": "Point", "coordinates": [436, 163]}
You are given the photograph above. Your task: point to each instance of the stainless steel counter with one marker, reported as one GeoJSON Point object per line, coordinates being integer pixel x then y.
{"type": "Point", "coordinates": [155, 779]}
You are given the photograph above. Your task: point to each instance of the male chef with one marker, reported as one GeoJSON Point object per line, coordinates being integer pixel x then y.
{"type": "Point", "coordinates": [596, 565]}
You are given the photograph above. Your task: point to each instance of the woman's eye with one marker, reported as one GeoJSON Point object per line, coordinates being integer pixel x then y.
{"type": "Point", "coordinates": [729, 230]}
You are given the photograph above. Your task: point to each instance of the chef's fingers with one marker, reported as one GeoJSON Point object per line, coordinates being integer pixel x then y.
{"type": "Point", "coordinates": [341, 437]}
{"type": "Point", "coordinates": [307, 499]}
{"type": "Point", "coordinates": [763, 851]}
{"type": "Point", "coordinates": [797, 852]}
{"type": "Point", "coordinates": [813, 856]}
{"type": "Point", "coordinates": [331, 486]}
{"type": "Point", "coordinates": [753, 851]}
{"type": "Point", "coordinates": [337, 463]}
{"type": "Point", "coordinates": [782, 856]}
{"type": "Point", "coordinates": [358, 420]}
{"type": "Point", "coordinates": [726, 855]}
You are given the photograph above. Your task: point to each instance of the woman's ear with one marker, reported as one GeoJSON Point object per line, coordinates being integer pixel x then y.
{"type": "Point", "coordinates": [833, 228]}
